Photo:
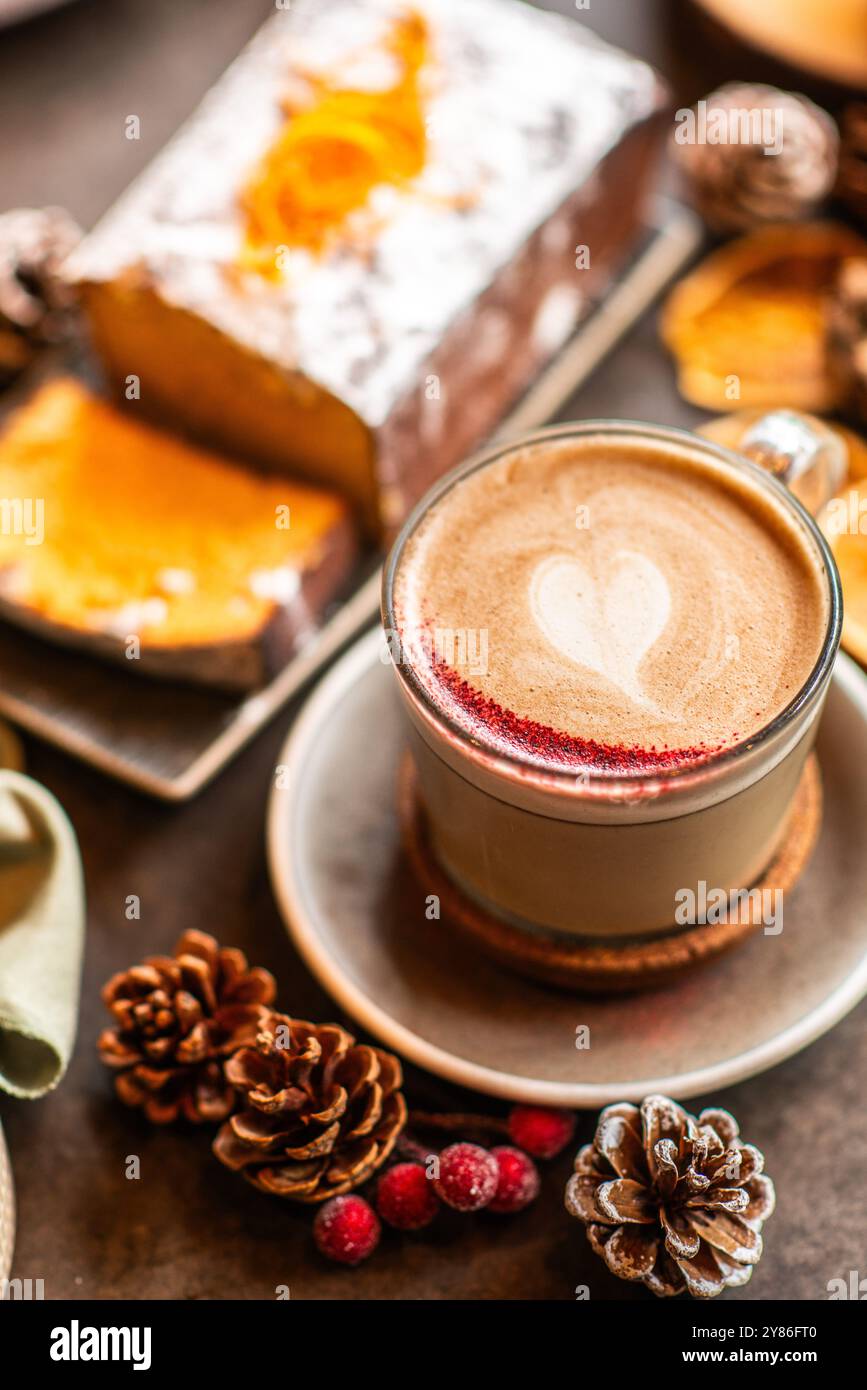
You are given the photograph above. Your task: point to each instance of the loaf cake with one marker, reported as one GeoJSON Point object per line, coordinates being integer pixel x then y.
{"type": "Point", "coordinates": [368, 238]}
{"type": "Point", "coordinates": [133, 544]}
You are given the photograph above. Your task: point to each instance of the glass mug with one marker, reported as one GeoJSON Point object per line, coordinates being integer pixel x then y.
{"type": "Point", "coordinates": [603, 855]}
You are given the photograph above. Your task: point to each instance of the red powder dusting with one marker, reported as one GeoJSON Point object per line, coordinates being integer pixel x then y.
{"type": "Point", "coordinates": [553, 746]}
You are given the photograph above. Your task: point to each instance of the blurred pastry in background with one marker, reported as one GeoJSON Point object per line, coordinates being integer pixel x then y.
{"type": "Point", "coordinates": [373, 232]}
{"type": "Point", "coordinates": [748, 326]}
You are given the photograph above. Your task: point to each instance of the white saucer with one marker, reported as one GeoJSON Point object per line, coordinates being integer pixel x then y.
{"type": "Point", "coordinates": [358, 918]}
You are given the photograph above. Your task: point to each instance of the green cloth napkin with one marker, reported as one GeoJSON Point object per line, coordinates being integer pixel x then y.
{"type": "Point", "coordinates": [41, 936]}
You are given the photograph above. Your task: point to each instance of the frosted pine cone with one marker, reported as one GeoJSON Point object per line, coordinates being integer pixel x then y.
{"type": "Point", "coordinates": [734, 183]}
{"type": "Point", "coordinates": [34, 303]}
{"type": "Point", "coordinates": [852, 180]}
{"type": "Point", "coordinates": [672, 1201]}
{"type": "Point", "coordinates": [847, 331]}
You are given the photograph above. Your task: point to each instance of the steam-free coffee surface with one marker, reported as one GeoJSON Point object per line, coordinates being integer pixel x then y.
{"type": "Point", "coordinates": [610, 604]}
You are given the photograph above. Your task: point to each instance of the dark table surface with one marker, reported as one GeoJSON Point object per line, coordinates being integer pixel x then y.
{"type": "Point", "coordinates": [188, 1229]}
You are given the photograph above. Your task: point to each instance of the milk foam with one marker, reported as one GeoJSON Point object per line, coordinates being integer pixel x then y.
{"type": "Point", "coordinates": [607, 627]}
{"type": "Point", "coordinates": [632, 595]}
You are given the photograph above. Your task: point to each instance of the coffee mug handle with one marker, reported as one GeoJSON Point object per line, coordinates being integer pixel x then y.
{"type": "Point", "coordinates": [802, 452]}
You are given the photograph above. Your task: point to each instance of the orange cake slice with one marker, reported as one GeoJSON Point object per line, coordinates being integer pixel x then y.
{"type": "Point", "coordinates": [137, 545]}
{"type": "Point", "coordinates": [381, 222]}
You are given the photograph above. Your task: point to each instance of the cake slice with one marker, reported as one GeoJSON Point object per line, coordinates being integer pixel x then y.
{"type": "Point", "coordinates": [376, 228]}
{"type": "Point", "coordinates": [136, 545]}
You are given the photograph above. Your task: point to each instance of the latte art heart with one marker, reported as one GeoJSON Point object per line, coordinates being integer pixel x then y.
{"type": "Point", "coordinates": [683, 615]}
{"type": "Point", "coordinates": [607, 626]}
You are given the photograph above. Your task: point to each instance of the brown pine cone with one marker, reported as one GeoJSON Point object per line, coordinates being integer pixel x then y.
{"type": "Point", "coordinates": [735, 185]}
{"type": "Point", "coordinates": [325, 1111]}
{"type": "Point", "coordinates": [852, 178]}
{"type": "Point", "coordinates": [847, 331]}
{"type": "Point", "coordinates": [672, 1201]}
{"type": "Point", "coordinates": [34, 303]}
{"type": "Point", "coordinates": [178, 1018]}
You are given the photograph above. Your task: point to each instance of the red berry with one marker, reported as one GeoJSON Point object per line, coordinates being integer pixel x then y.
{"type": "Point", "coordinates": [346, 1229]}
{"type": "Point", "coordinates": [518, 1183]}
{"type": "Point", "coordinates": [542, 1132]}
{"type": "Point", "coordinates": [405, 1197]}
{"type": "Point", "coordinates": [468, 1177]}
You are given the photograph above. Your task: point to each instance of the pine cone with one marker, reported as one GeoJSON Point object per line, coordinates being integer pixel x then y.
{"type": "Point", "coordinates": [737, 186]}
{"type": "Point", "coordinates": [672, 1201]}
{"type": "Point", "coordinates": [847, 331]}
{"type": "Point", "coordinates": [34, 303]}
{"type": "Point", "coordinates": [852, 178]}
{"type": "Point", "coordinates": [325, 1111]}
{"type": "Point", "coordinates": [178, 1018]}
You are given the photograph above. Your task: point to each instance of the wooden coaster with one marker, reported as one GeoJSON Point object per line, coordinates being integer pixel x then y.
{"type": "Point", "coordinates": [575, 964]}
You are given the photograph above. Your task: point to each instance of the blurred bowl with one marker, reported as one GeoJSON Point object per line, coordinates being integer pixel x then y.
{"type": "Point", "coordinates": [13, 11]}
{"type": "Point", "coordinates": [824, 38]}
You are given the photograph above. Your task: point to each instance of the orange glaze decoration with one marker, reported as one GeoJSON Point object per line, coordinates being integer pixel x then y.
{"type": "Point", "coordinates": [146, 528]}
{"type": "Point", "coordinates": [332, 153]}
